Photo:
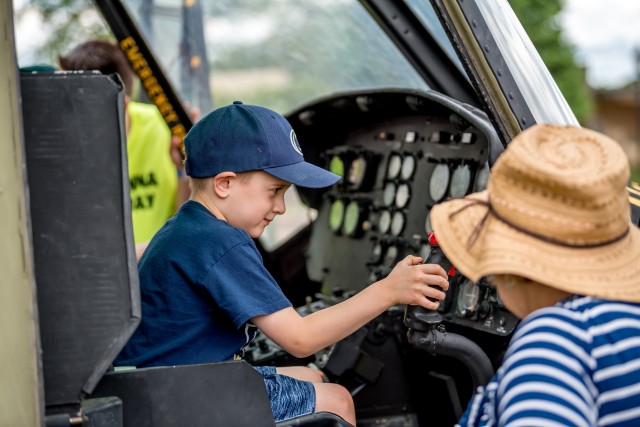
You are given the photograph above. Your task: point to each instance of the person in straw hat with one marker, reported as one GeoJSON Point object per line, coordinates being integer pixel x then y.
{"type": "Point", "coordinates": [552, 232]}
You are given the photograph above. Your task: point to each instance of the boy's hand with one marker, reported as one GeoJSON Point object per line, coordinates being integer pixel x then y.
{"type": "Point", "coordinates": [410, 282]}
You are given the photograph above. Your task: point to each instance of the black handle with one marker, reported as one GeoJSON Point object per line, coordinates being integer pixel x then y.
{"type": "Point", "coordinates": [416, 317]}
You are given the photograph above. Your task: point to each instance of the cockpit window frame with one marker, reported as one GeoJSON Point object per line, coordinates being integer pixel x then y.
{"type": "Point", "coordinates": [514, 101]}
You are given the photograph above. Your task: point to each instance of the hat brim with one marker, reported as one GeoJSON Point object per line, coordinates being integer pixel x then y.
{"type": "Point", "coordinates": [610, 272]}
{"type": "Point", "coordinates": [303, 174]}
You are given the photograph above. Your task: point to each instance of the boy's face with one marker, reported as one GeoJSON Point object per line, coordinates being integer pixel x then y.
{"type": "Point", "coordinates": [254, 201]}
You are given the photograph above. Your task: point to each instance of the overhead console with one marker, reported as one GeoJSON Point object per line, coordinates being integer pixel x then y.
{"type": "Point", "coordinates": [399, 153]}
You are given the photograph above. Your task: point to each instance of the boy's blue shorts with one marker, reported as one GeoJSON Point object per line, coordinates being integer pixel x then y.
{"type": "Point", "coordinates": [288, 396]}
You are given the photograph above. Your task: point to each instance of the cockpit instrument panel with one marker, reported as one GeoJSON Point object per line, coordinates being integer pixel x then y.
{"type": "Point", "coordinates": [399, 153]}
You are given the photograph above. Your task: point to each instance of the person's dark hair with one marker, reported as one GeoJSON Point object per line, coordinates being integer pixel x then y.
{"type": "Point", "coordinates": [101, 55]}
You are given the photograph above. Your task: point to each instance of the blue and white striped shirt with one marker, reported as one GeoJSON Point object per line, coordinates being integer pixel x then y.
{"type": "Point", "coordinates": [574, 364]}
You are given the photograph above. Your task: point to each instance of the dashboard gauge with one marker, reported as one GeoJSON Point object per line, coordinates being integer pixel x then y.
{"type": "Point", "coordinates": [391, 256]}
{"type": "Point", "coordinates": [468, 298]}
{"type": "Point", "coordinates": [336, 215]}
{"type": "Point", "coordinates": [397, 223]}
{"type": "Point", "coordinates": [352, 221]}
{"type": "Point", "coordinates": [482, 178]}
{"type": "Point", "coordinates": [357, 171]}
{"type": "Point", "coordinates": [403, 195]}
{"type": "Point", "coordinates": [460, 181]}
{"type": "Point", "coordinates": [467, 138]}
{"type": "Point", "coordinates": [394, 166]}
{"type": "Point", "coordinates": [389, 194]}
{"type": "Point", "coordinates": [439, 182]}
{"type": "Point", "coordinates": [408, 167]}
{"type": "Point", "coordinates": [427, 223]}
{"type": "Point", "coordinates": [376, 254]}
{"type": "Point", "coordinates": [384, 221]}
{"type": "Point", "coordinates": [410, 137]}
{"type": "Point", "coordinates": [336, 165]}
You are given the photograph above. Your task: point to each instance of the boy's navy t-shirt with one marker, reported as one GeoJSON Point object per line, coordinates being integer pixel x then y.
{"type": "Point", "coordinates": [201, 281]}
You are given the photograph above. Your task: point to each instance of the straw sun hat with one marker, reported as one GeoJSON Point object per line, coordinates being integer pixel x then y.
{"type": "Point", "coordinates": [555, 211]}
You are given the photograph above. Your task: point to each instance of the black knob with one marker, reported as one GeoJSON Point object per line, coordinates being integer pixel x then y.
{"type": "Point", "coordinates": [484, 310]}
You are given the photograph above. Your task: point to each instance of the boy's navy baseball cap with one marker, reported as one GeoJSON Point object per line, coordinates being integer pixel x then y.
{"type": "Point", "coordinates": [241, 138]}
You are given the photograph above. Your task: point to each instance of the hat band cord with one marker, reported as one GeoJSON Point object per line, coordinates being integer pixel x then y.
{"type": "Point", "coordinates": [475, 234]}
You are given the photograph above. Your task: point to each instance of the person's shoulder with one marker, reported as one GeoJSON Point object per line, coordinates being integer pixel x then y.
{"type": "Point", "coordinates": [566, 318]}
{"type": "Point", "coordinates": [568, 308]}
{"type": "Point", "coordinates": [203, 224]}
{"type": "Point", "coordinates": [577, 318]}
{"type": "Point", "coordinates": [556, 337]}
{"type": "Point", "coordinates": [143, 108]}
{"type": "Point", "coordinates": [592, 310]}
{"type": "Point", "coordinates": [145, 111]}
{"type": "Point", "coordinates": [197, 235]}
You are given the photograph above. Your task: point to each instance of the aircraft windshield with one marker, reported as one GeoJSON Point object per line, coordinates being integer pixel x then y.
{"type": "Point", "coordinates": [275, 53]}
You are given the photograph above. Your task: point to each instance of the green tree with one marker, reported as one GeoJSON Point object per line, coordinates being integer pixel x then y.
{"type": "Point", "coordinates": [67, 22]}
{"type": "Point", "coordinates": [539, 19]}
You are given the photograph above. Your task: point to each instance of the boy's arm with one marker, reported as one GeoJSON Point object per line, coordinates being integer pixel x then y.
{"type": "Point", "coordinates": [408, 283]}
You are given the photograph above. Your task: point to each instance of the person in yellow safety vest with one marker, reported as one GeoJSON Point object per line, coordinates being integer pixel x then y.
{"type": "Point", "coordinates": [158, 184]}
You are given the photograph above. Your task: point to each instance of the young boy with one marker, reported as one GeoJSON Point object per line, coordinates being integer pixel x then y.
{"type": "Point", "coordinates": [204, 288]}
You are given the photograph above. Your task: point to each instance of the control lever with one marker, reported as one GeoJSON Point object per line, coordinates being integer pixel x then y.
{"type": "Point", "coordinates": [419, 318]}
{"type": "Point", "coordinates": [427, 332]}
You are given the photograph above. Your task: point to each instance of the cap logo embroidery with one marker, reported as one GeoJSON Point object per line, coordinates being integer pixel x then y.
{"type": "Point", "coordinates": [294, 142]}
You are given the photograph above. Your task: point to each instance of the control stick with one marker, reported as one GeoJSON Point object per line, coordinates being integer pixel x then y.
{"type": "Point", "coordinates": [427, 332]}
{"type": "Point", "coordinates": [417, 317]}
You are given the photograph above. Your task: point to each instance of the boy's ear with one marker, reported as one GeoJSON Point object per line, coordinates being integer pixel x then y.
{"type": "Point", "coordinates": [222, 183]}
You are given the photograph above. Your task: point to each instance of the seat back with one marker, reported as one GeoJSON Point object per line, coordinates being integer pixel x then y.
{"type": "Point", "coordinates": [85, 267]}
